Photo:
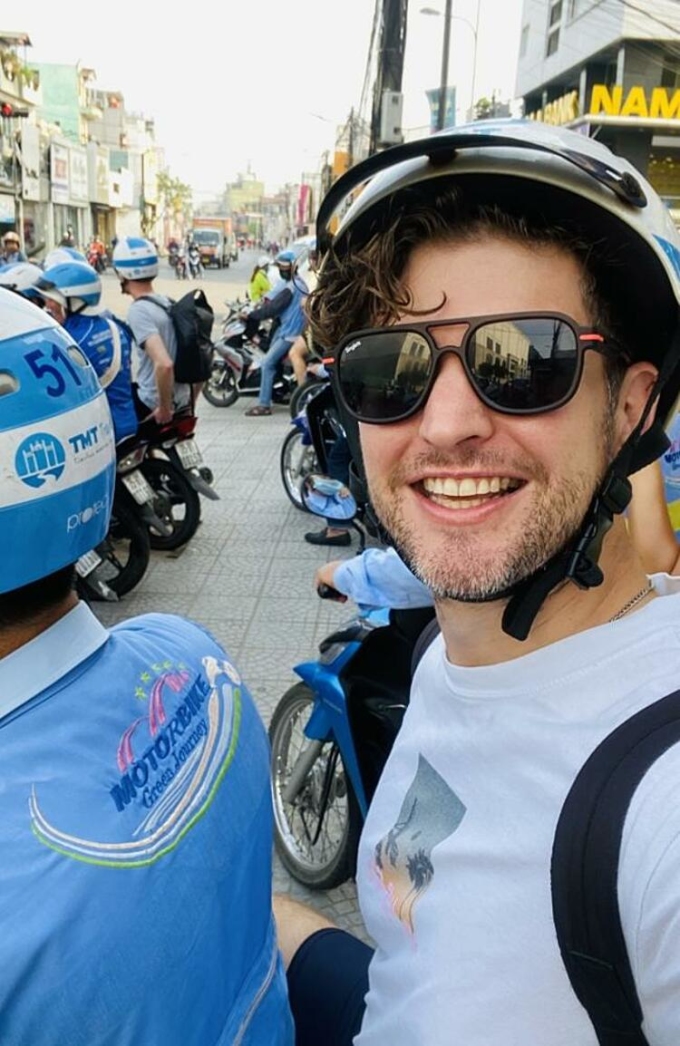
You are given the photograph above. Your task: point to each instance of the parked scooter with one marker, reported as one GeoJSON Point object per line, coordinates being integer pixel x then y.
{"type": "Point", "coordinates": [237, 361]}
{"type": "Point", "coordinates": [331, 733]}
{"type": "Point", "coordinates": [175, 469]}
{"type": "Point", "coordinates": [302, 454]}
{"type": "Point", "coordinates": [119, 563]}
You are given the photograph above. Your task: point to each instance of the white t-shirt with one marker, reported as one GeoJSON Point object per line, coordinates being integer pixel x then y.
{"type": "Point", "coordinates": [454, 860]}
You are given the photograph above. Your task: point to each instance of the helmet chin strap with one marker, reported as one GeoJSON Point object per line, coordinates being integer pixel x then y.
{"type": "Point", "coordinates": [578, 561]}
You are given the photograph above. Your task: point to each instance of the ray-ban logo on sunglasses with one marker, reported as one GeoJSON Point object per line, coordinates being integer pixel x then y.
{"type": "Point", "coordinates": [354, 345]}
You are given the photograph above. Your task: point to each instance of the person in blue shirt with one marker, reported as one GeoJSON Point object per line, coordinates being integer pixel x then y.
{"type": "Point", "coordinates": [136, 829]}
{"type": "Point", "coordinates": [285, 302]}
{"type": "Point", "coordinates": [71, 292]}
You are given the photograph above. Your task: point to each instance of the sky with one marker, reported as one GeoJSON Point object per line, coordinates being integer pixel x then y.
{"type": "Point", "coordinates": [263, 86]}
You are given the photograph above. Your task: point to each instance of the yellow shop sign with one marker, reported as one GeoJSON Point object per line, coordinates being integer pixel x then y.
{"type": "Point", "coordinates": [562, 110]}
{"type": "Point", "coordinates": [659, 104]}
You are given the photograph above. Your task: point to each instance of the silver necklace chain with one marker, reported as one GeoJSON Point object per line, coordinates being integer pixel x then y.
{"type": "Point", "coordinates": [637, 598]}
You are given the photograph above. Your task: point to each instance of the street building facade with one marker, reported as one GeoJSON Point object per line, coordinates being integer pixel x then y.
{"type": "Point", "coordinates": [612, 70]}
{"type": "Point", "coordinates": [74, 163]}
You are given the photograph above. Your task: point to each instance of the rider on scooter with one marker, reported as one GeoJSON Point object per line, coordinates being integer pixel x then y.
{"type": "Point", "coordinates": [285, 302]}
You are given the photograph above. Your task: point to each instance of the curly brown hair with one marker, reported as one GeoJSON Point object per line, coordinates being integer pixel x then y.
{"type": "Point", "coordinates": [361, 281]}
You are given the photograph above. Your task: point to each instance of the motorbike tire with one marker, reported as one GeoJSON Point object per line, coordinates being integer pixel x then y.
{"type": "Point", "coordinates": [221, 388]}
{"type": "Point", "coordinates": [329, 860]}
{"type": "Point", "coordinates": [126, 548]}
{"type": "Point", "coordinates": [297, 462]}
{"type": "Point", "coordinates": [174, 494]}
{"type": "Point", "coordinates": [303, 393]}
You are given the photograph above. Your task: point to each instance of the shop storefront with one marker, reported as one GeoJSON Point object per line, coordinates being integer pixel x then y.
{"type": "Point", "coordinates": [638, 122]}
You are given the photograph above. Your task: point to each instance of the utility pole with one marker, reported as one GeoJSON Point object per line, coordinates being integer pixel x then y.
{"type": "Point", "coordinates": [390, 60]}
{"type": "Point", "coordinates": [444, 80]}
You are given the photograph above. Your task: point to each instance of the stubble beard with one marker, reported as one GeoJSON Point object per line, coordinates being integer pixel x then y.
{"type": "Point", "coordinates": [462, 566]}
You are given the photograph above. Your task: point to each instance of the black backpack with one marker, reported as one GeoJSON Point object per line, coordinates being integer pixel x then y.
{"type": "Point", "coordinates": [192, 318]}
{"type": "Point", "coordinates": [585, 864]}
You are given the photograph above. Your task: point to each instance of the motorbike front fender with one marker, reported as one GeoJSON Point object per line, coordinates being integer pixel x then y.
{"type": "Point", "coordinates": [329, 719]}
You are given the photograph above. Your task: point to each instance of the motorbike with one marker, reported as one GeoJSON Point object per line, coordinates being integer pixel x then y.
{"type": "Point", "coordinates": [180, 266]}
{"type": "Point", "coordinates": [119, 562]}
{"type": "Point", "coordinates": [96, 258]}
{"type": "Point", "coordinates": [332, 731]}
{"type": "Point", "coordinates": [237, 360]}
{"type": "Point", "coordinates": [301, 454]}
{"type": "Point", "coordinates": [175, 469]}
{"type": "Point", "coordinates": [194, 262]}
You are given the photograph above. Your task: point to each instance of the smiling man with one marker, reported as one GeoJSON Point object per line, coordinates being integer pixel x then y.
{"type": "Point", "coordinates": [500, 301]}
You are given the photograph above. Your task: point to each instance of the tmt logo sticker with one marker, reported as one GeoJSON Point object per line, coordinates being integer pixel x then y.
{"type": "Point", "coordinates": [39, 458]}
{"type": "Point", "coordinates": [84, 440]}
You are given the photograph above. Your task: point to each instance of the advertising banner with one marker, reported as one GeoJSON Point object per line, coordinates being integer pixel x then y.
{"type": "Point", "coordinates": [78, 174]}
{"type": "Point", "coordinates": [59, 173]}
{"type": "Point", "coordinates": [30, 162]}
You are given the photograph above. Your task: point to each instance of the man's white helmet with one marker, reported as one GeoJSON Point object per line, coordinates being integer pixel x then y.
{"type": "Point", "coordinates": [62, 255]}
{"type": "Point", "coordinates": [135, 258]}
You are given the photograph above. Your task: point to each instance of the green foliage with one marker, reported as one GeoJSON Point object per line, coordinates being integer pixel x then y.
{"type": "Point", "coordinates": [176, 194]}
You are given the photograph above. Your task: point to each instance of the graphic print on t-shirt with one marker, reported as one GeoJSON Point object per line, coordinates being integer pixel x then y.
{"type": "Point", "coordinates": [430, 813]}
{"type": "Point", "coordinates": [165, 769]}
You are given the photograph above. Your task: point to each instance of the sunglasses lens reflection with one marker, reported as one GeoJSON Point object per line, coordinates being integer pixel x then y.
{"type": "Point", "coordinates": [516, 366]}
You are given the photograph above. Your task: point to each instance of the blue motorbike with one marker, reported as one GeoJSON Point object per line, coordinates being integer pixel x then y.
{"type": "Point", "coordinates": [331, 732]}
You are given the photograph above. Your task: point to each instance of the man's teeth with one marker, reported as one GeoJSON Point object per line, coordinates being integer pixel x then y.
{"type": "Point", "coordinates": [468, 487]}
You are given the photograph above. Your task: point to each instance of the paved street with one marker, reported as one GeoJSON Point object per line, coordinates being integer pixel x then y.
{"type": "Point", "coordinates": [247, 574]}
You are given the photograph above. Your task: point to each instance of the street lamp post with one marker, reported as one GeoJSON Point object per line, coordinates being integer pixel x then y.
{"type": "Point", "coordinates": [443, 83]}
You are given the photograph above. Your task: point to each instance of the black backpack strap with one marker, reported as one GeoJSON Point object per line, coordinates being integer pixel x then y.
{"type": "Point", "coordinates": [585, 864]}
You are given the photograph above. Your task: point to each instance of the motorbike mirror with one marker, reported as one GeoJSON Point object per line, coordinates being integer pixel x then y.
{"type": "Point", "coordinates": [328, 497]}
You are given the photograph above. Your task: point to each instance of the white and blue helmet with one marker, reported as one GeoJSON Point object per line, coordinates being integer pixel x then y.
{"type": "Point", "coordinates": [21, 277]}
{"type": "Point", "coordinates": [74, 285]}
{"type": "Point", "coordinates": [135, 258]}
{"type": "Point", "coordinates": [57, 450]}
{"type": "Point", "coordinates": [63, 254]}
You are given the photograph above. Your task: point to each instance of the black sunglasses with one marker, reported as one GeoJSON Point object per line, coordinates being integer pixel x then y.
{"type": "Point", "coordinates": [518, 363]}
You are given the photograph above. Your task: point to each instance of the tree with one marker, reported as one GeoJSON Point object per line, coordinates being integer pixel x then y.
{"type": "Point", "coordinates": [177, 195]}
{"type": "Point", "coordinates": [485, 108]}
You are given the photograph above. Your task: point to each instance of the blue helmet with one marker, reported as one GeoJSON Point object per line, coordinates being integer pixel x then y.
{"type": "Point", "coordinates": [285, 258]}
{"type": "Point", "coordinates": [63, 254]}
{"type": "Point", "coordinates": [57, 451]}
{"type": "Point", "coordinates": [74, 285]}
{"type": "Point", "coordinates": [135, 258]}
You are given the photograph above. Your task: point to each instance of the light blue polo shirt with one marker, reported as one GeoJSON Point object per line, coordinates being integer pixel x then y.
{"type": "Point", "coordinates": [136, 832]}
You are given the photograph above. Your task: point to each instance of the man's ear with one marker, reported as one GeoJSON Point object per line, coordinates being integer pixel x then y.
{"type": "Point", "coordinates": [636, 389]}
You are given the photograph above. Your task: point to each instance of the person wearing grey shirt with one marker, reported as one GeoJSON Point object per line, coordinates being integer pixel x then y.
{"type": "Point", "coordinates": [158, 395]}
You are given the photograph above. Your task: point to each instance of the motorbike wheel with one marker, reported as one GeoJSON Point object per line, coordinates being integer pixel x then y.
{"type": "Point", "coordinates": [303, 393]}
{"type": "Point", "coordinates": [125, 550]}
{"type": "Point", "coordinates": [176, 503]}
{"type": "Point", "coordinates": [298, 460]}
{"type": "Point", "coordinates": [221, 389]}
{"type": "Point", "coordinates": [317, 833]}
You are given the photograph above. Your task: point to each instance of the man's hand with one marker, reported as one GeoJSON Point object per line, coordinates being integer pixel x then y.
{"type": "Point", "coordinates": [325, 574]}
{"type": "Point", "coordinates": [162, 415]}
